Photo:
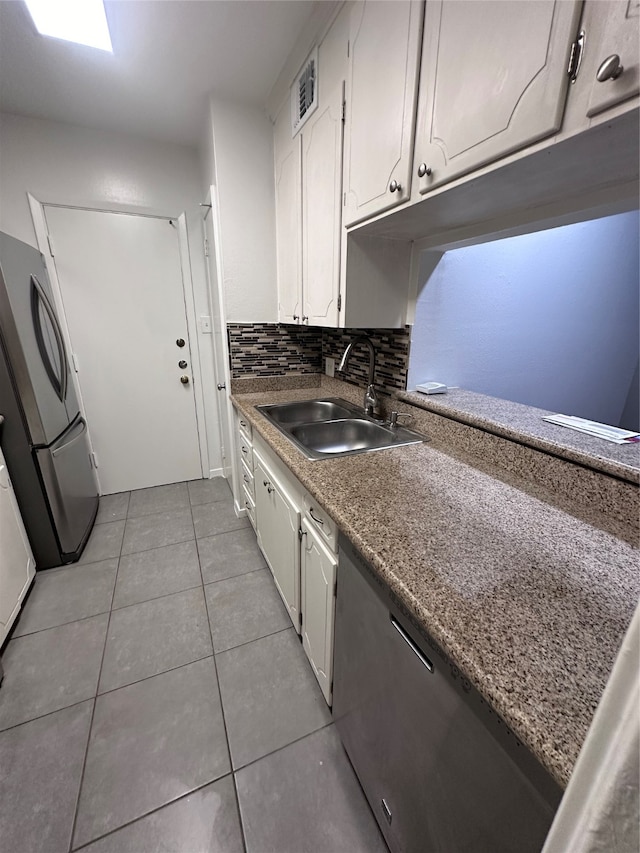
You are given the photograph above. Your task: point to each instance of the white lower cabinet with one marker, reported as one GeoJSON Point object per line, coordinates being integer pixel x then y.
{"type": "Point", "coordinates": [278, 525]}
{"type": "Point", "coordinates": [298, 540]}
{"type": "Point", "coordinates": [17, 566]}
{"type": "Point", "coordinates": [318, 603]}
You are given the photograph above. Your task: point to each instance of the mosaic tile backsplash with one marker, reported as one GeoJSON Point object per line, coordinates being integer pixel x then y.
{"type": "Point", "coordinates": [269, 349]}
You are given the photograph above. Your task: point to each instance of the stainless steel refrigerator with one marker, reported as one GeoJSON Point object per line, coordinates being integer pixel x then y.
{"type": "Point", "coordinates": [44, 436]}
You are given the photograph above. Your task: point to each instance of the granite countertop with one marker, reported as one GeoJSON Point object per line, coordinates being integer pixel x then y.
{"type": "Point", "coordinates": [529, 601]}
{"type": "Point", "coordinates": [526, 425]}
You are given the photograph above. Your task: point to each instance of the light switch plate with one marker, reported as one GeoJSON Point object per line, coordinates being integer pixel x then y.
{"type": "Point", "coordinates": [205, 325]}
{"type": "Point", "coordinates": [330, 366]}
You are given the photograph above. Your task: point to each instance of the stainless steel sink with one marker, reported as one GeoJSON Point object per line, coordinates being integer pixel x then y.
{"type": "Point", "coordinates": [332, 427]}
{"type": "Point", "coordinates": [305, 411]}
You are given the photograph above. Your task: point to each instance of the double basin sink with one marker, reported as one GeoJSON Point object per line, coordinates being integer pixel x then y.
{"type": "Point", "coordinates": [323, 429]}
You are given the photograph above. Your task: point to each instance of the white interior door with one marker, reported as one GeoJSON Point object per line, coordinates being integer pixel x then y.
{"type": "Point", "coordinates": [123, 295]}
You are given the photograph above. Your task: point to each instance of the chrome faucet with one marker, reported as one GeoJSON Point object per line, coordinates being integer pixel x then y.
{"type": "Point", "coordinates": [371, 402]}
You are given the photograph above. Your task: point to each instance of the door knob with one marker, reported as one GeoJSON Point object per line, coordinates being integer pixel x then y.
{"type": "Point", "coordinates": [423, 170]}
{"type": "Point", "coordinates": [393, 186]}
{"type": "Point", "coordinates": [221, 386]}
{"type": "Point", "coordinates": [180, 342]}
{"type": "Point", "coordinates": [182, 364]}
{"type": "Point", "coordinates": [610, 69]}
{"type": "Point", "coordinates": [184, 380]}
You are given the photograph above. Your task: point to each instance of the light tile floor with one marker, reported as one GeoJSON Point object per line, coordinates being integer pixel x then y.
{"type": "Point", "coordinates": [156, 698]}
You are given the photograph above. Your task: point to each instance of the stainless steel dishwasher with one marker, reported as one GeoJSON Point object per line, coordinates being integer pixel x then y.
{"type": "Point", "coordinates": [441, 770]}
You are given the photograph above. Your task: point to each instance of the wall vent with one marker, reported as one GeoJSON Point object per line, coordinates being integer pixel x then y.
{"type": "Point", "coordinates": [304, 93]}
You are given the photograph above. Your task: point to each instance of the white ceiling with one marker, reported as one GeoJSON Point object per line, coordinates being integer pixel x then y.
{"type": "Point", "coordinates": [168, 56]}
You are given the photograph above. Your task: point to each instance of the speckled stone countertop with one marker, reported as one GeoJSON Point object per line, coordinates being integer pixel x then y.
{"type": "Point", "coordinates": [525, 424]}
{"type": "Point", "coordinates": [528, 600]}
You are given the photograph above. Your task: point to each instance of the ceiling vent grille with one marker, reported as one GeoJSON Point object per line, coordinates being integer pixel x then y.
{"type": "Point", "coordinates": [304, 93]}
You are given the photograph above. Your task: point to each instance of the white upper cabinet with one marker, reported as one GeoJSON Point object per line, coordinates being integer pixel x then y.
{"type": "Point", "coordinates": [384, 47]}
{"type": "Point", "coordinates": [288, 223]}
{"type": "Point", "coordinates": [321, 225]}
{"type": "Point", "coordinates": [611, 62]}
{"type": "Point", "coordinates": [493, 80]}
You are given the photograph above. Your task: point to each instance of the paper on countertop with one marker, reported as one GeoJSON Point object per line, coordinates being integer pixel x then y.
{"type": "Point", "coordinates": [609, 433]}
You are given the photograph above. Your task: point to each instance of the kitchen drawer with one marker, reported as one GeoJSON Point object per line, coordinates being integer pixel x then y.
{"type": "Point", "coordinates": [247, 480]}
{"type": "Point", "coordinates": [249, 505]}
{"type": "Point", "coordinates": [245, 427]}
{"type": "Point", "coordinates": [245, 451]}
{"type": "Point", "coordinates": [319, 521]}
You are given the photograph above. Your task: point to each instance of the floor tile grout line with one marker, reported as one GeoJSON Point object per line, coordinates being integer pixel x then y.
{"type": "Point", "coordinates": [255, 640]}
{"type": "Point", "coordinates": [46, 714]}
{"type": "Point", "coordinates": [153, 811]}
{"type": "Point", "coordinates": [95, 698]}
{"type": "Point", "coordinates": [155, 675]}
{"type": "Point", "coordinates": [157, 597]}
{"type": "Point", "coordinates": [61, 625]}
{"type": "Point", "coordinates": [224, 718]}
{"type": "Point", "coordinates": [284, 746]}
{"type": "Point", "coordinates": [241, 575]}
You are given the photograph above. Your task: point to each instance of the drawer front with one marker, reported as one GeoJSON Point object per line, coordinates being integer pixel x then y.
{"type": "Point", "coordinates": [245, 451]}
{"type": "Point", "coordinates": [320, 521]}
{"type": "Point", "coordinates": [247, 480]}
{"type": "Point", "coordinates": [250, 506]}
{"type": "Point", "coordinates": [245, 427]}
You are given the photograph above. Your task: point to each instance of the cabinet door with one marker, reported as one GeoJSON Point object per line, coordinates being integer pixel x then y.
{"type": "Point", "coordinates": [380, 110]}
{"type": "Point", "coordinates": [493, 80]}
{"type": "Point", "coordinates": [617, 24]}
{"type": "Point", "coordinates": [288, 211]}
{"type": "Point", "coordinates": [318, 576]}
{"type": "Point", "coordinates": [278, 523]}
{"type": "Point", "coordinates": [17, 566]}
{"type": "Point", "coordinates": [321, 210]}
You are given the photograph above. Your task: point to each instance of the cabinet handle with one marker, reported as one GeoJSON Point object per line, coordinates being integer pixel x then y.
{"type": "Point", "coordinates": [243, 423]}
{"type": "Point", "coordinates": [394, 186]}
{"type": "Point", "coordinates": [423, 170]}
{"type": "Point", "coordinates": [244, 449]}
{"type": "Point", "coordinates": [317, 520]}
{"type": "Point", "coordinates": [268, 485]}
{"type": "Point", "coordinates": [304, 318]}
{"type": "Point", "coordinates": [246, 478]}
{"type": "Point", "coordinates": [424, 660]}
{"type": "Point", "coordinates": [295, 317]}
{"type": "Point", "coordinates": [610, 69]}
{"type": "Point", "coordinates": [221, 386]}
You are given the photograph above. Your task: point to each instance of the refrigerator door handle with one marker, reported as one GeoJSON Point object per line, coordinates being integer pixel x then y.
{"type": "Point", "coordinates": [78, 435]}
{"type": "Point", "coordinates": [38, 296]}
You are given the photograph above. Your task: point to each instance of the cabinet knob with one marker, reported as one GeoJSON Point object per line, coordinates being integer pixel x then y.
{"type": "Point", "coordinates": [221, 387]}
{"type": "Point", "coordinates": [610, 69]}
{"type": "Point", "coordinates": [295, 317]}
{"type": "Point", "coordinates": [423, 170]}
{"type": "Point", "coordinates": [184, 380]}
{"type": "Point", "coordinates": [304, 318]}
{"type": "Point", "coordinates": [393, 186]}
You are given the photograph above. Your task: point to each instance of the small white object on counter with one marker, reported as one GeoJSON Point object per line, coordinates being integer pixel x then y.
{"type": "Point", "coordinates": [432, 388]}
{"type": "Point", "coordinates": [595, 428]}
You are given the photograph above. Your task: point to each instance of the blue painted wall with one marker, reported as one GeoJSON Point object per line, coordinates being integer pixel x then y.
{"type": "Point", "coordinates": [549, 319]}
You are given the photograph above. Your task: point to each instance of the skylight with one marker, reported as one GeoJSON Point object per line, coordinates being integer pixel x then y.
{"type": "Point", "coordinates": [79, 21]}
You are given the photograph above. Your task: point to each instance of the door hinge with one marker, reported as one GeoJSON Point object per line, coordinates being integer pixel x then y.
{"type": "Point", "coordinates": [94, 459]}
{"type": "Point", "coordinates": [300, 619]}
{"type": "Point", "coordinates": [50, 242]}
{"type": "Point", "coordinates": [301, 533]}
{"type": "Point", "coordinates": [335, 587]}
{"type": "Point", "coordinates": [344, 110]}
{"type": "Point", "coordinates": [339, 303]}
{"type": "Point", "coordinates": [344, 199]}
{"type": "Point", "coordinates": [575, 59]}
{"type": "Point", "coordinates": [74, 359]}
{"type": "Point", "coordinates": [206, 248]}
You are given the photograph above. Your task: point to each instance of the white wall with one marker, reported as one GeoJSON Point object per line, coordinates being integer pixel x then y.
{"type": "Point", "coordinates": [243, 155]}
{"type": "Point", "coordinates": [65, 164]}
{"type": "Point", "coordinates": [547, 319]}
